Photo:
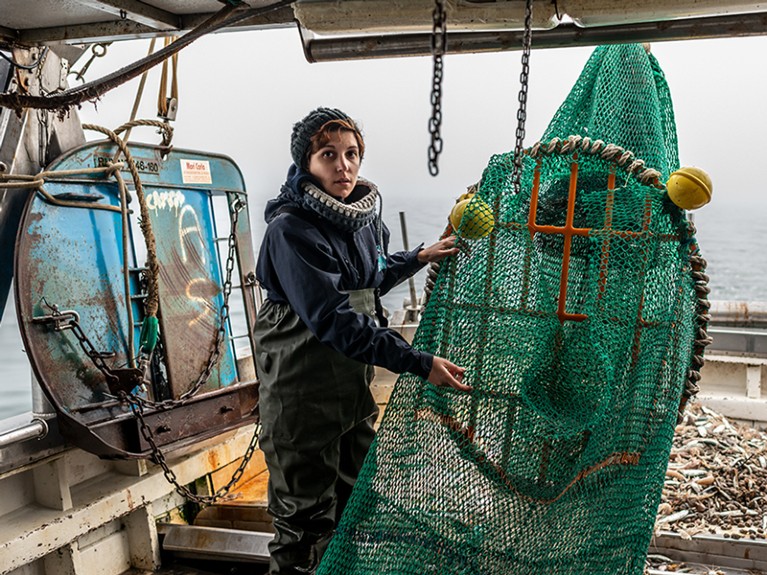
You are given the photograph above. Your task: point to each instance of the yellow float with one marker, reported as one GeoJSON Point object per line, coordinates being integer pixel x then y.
{"type": "Point", "coordinates": [689, 188]}
{"type": "Point", "coordinates": [479, 220]}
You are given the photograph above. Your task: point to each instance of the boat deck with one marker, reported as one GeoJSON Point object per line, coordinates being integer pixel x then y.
{"type": "Point", "coordinates": [245, 507]}
{"type": "Point", "coordinates": [246, 510]}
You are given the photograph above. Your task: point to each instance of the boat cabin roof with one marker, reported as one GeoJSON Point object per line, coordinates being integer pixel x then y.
{"type": "Point", "coordinates": [333, 29]}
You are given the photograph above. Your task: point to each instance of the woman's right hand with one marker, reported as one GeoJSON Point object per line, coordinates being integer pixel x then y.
{"type": "Point", "coordinates": [439, 251]}
{"type": "Point", "coordinates": [444, 372]}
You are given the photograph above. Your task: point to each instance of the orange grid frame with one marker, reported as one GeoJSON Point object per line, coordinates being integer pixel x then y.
{"type": "Point", "coordinates": [568, 231]}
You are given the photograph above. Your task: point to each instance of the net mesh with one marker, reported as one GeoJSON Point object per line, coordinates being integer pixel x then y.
{"type": "Point", "coordinates": [555, 462]}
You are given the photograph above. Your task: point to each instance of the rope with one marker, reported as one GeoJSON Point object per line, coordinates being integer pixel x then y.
{"type": "Point", "coordinates": [12, 181]}
{"type": "Point", "coordinates": [162, 98]}
{"type": "Point", "coordinates": [152, 302]}
{"type": "Point", "coordinates": [702, 319]}
{"type": "Point", "coordinates": [609, 152]}
{"type": "Point", "coordinates": [137, 99]}
{"type": "Point", "coordinates": [63, 101]}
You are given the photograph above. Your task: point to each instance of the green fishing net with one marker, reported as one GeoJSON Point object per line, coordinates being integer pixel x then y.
{"type": "Point", "coordinates": [556, 460]}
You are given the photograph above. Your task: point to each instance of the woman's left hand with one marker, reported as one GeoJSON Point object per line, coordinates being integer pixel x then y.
{"type": "Point", "coordinates": [438, 251]}
{"type": "Point", "coordinates": [444, 372]}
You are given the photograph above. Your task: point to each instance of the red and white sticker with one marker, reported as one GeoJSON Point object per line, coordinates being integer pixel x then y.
{"type": "Point", "coordinates": [195, 172]}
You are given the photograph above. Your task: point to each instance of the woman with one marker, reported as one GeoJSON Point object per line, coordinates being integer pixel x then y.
{"type": "Point", "coordinates": [321, 261]}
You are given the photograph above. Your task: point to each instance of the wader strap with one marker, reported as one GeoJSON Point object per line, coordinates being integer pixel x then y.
{"type": "Point", "coordinates": [363, 301]}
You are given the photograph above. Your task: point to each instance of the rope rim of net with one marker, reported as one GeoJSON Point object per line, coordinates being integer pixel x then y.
{"type": "Point", "coordinates": [610, 152]}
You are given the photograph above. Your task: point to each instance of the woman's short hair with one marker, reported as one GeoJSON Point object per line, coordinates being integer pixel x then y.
{"type": "Point", "coordinates": [322, 136]}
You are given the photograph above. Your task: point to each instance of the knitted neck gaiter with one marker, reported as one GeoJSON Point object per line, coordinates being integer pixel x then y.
{"type": "Point", "coordinates": [346, 217]}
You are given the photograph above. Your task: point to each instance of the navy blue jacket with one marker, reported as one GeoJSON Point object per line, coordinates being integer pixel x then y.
{"type": "Point", "coordinates": [309, 263]}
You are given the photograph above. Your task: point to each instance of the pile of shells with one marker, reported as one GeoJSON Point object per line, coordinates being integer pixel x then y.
{"type": "Point", "coordinates": [716, 482]}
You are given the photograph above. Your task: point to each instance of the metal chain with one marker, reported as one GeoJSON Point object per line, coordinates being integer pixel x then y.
{"type": "Point", "coordinates": [527, 39]}
{"type": "Point", "coordinates": [159, 458]}
{"type": "Point", "coordinates": [234, 212]}
{"type": "Point", "coordinates": [43, 136]}
{"type": "Point", "coordinates": [438, 48]}
{"type": "Point", "coordinates": [63, 320]}
{"type": "Point", "coordinates": [137, 404]}
{"type": "Point", "coordinates": [43, 124]}
{"type": "Point", "coordinates": [98, 357]}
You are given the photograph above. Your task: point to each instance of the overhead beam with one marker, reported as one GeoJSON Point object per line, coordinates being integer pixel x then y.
{"type": "Point", "coordinates": [8, 35]}
{"type": "Point", "coordinates": [278, 18]}
{"type": "Point", "coordinates": [138, 12]}
{"type": "Point", "coordinates": [564, 35]}
{"type": "Point", "coordinates": [87, 33]}
{"type": "Point", "coordinates": [128, 29]}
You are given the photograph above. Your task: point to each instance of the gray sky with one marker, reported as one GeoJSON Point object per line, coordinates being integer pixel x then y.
{"type": "Point", "coordinates": [241, 92]}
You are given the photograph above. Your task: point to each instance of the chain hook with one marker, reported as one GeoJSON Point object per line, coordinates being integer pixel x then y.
{"type": "Point", "coordinates": [98, 50]}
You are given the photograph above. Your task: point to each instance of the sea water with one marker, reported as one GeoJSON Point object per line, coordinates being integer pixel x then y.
{"type": "Point", "coordinates": [732, 236]}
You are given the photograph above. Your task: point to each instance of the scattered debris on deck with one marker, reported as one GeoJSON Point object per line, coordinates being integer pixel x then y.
{"type": "Point", "coordinates": [715, 490]}
{"type": "Point", "coordinates": [716, 482]}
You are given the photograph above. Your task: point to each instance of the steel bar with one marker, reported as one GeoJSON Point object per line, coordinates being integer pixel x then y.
{"type": "Point", "coordinates": [36, 429]}
{"type": "Point", "coordinates": [406, 246]}
{"type": "Point", "coordinates": [739, 313]}
{"type": "Point", "coordinates": [564, 35]}
{"type": "Point", "coordinates": [739, 340]}
{"type": "Point", "coordinates": [213, 543]}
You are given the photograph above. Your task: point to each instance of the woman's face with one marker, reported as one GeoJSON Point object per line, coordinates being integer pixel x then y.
{"type": "Point", "coordinates": [337, 164]}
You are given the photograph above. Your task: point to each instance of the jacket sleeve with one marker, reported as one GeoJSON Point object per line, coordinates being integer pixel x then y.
{"type": "Point", "coordinates": [399, 267]}
{"type": "Point", "coordinates": [309, 276]}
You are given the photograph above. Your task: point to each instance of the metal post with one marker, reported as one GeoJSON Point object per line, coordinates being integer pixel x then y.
{"type": "Point", "coordinates": [368, 46]}
{"type": "Point", "coordinates": [41, 407]}
{"type": "Point", "coordinates": [411, 311]}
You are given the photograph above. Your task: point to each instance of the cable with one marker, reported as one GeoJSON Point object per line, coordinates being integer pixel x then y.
{"type": "Point", "coordinates": [32, 66]}
{"type": "Point", "coordinates": [63, 101]}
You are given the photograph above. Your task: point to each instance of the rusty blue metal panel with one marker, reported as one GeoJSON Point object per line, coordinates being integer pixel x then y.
{"type": "Point", "coordinates": [71, 257]}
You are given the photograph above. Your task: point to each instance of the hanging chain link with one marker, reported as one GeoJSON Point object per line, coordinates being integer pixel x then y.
{"type": "Point", "coordinates": [438, 48]}
{"type": "Point", "coordinates": [527, 39]}
{"type": "Point", "coordinates": [43, 116]}
{"type": "Point", "coordinates": [159, 458]}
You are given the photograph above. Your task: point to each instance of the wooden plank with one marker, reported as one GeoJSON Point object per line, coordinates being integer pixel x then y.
{"type": "Point", "coordinates": [712, 549]}
{"type": "Point", "coordinates": [251, 493]}
{"type": "Point", "coordinates": [221, 476]}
